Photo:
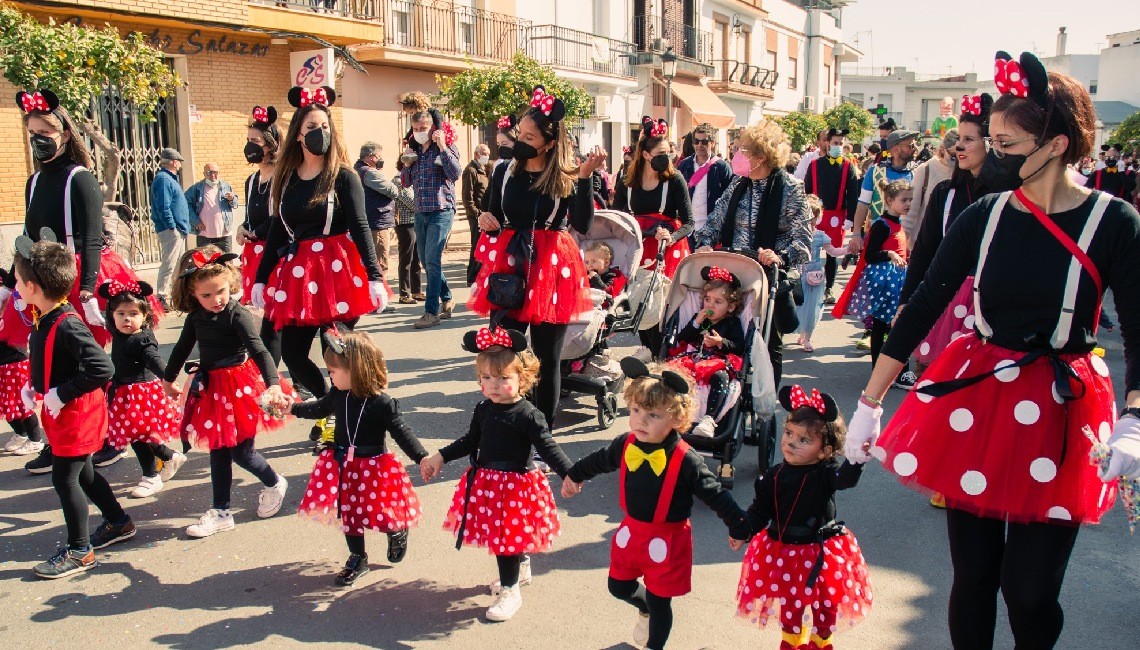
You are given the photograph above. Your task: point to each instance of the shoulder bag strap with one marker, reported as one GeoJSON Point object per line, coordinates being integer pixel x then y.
{"type": "Point", "coordinates": [946, 210]}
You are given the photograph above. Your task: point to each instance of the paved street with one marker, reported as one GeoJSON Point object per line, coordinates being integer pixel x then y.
{"type": "Point", "coordinates": [270, 581]}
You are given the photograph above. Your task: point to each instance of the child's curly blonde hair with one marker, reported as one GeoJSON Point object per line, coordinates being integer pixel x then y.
{"type": "Point", "coordinates": [652, 394]}
{"type": "Point", "coordinates": [499, 360]}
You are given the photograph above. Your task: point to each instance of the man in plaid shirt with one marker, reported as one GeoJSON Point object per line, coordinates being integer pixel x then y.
{"type": "Point", "coordinates": [432, 176]}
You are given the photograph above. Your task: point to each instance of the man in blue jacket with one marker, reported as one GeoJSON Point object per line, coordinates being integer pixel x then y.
{"type": "Point", "coordinates": [171, 216]}
{"type": "Point", "coordinates": [212, 203]}
{"type": "Point", "coordinates": [714, 174]}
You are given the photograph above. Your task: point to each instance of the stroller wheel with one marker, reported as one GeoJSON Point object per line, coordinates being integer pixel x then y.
{"type": "Point", "coordinates": [766, 443]}
{"type": "Point", "coordinates": [607, 410]}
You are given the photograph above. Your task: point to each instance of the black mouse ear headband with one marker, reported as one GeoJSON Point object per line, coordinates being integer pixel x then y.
{"type": "Point", "coordinates": [264, 116]}
{"type": "Point", "coordinates": [333, 339]}
{"type": "Point", "coordinates": [112, 288]}
{"type": "Point", "coordinates": [200, 260]}
{"type": "Point", "coordinates": [301, 97]}
{"type": "Point", "coordinates": [1025, 78]}
{"type": "Point", "coordinates": [793, 397]}
{"type": "Point", "coordinates": [477, 341]}
{"type": "Point", "coordinates": [831, 133]}
{"type": "Point", "coordinates": [24, 243]}
{"type": "Point", "coordinates": [634, 368]}
{"type": "Point", "coordinates": [651, 128]}
{"type": "Point", "coordinates": [545, 105]}
{"type": "Point", "coordinates": [710, 273]}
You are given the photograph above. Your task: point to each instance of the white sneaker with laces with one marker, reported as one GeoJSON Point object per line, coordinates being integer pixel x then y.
{"type": "Point", "coordinates": [270, 499]}
{"type": "Point", "coordinates": [706, 427]}
{"type": "Point", "coordinates": [214, 521]}
{"type": "Point", "coordinates": [524, 577]}
{"type": "Point", "coordinates": [171, 467]}
{"type": "Point", "coordinates": [28, 448]}
{"type": "Point", "coordinates": [147, 487]}
{"type": "Point", "coordinates": [14, 443]}
{"type": "Point", "coordinates": [641, 630]}
{"type": "Point", "coordinates": [508, 602]}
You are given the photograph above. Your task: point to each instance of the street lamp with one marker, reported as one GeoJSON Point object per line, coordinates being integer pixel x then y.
{"type": "Point", "coordinates": [669, 70]}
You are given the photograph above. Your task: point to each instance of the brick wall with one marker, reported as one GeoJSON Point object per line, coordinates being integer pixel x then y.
{"type": "Point", "coordinates": [14, 162]}
{"type": "Point", "coordinates": [224, 11]}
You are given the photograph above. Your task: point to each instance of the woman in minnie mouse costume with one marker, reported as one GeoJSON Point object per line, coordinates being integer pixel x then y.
{"type": "Point", "coordinates": [534, 200]}
{"type": "Point", "coordinates": [996, 424]}
{"type": "Point", "coordinates": [319, 265]}
{"type": "Point", "coordinates": [261, 143]}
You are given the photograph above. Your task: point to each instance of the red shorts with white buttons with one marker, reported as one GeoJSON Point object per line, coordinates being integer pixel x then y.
{"type": "Point", "coordinates": [662, 553]}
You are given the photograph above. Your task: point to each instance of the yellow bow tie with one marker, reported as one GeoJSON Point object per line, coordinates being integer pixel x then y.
{"type": "Point", "coordinates": [834, 161]}
{"type": "Point", "coordinates": [1110, 170]}
{"type": "Point", "coordinates": [634, 457]}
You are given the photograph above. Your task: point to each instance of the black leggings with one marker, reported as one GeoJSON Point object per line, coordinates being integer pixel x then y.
{"type": "Point", "coordinates": [146, 452]}
{"type": "Point", "coordinates": [660, 610]}
{"type": "Point", "coordinates": [75, 480]}
{"type": "Point", "coordinates": [718, 392]}
{"type": "Point", "coordinates": [272, 340]}
{"type": "Point", "coordinates": [222, 473]}
{"type": "Point", "coordinates": [28, 427]}
{"type": "Point", "coordinates": [1026, 561]}
{"type": "Point", "coordinates": [509, 566]}
{"type": "Point", "coordinates": [879, 331]}
{"type": "Point", "coordinates": [295, 345]}
{"type": "Point", "coordinates": [546, 340]}
{"type": "Point", "coordinates": [830, 268]}
{"type": "Point", "coordinates": [355, 544]}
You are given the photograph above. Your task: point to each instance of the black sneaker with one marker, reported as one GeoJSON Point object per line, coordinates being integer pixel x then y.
{"type": "Point", "coordinates": [397, 545]}
{"type": "Point", "coordinates": [356, 566]}
{"type": "Point", "coordinates": [65, 563]}
{"type": "Point", "coordinates": [108, 455]}
{"type": "Point", "coordinates": [108, 533]}
{"type": "Point", "coordinates": [40, 464]}
{"type": "Point", "coordinates": [905, 381]}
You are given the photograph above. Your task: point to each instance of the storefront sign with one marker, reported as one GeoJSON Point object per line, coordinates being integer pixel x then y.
{"type": "Point", "coordinates": [311, 68]}
{"type": "Point", "coordinates": [195, 43]}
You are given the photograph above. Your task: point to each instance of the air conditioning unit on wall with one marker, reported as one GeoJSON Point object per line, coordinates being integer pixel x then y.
{"type": "Point", "coordinates": [602, 107]}
{"type": "Point", "coordinates": [809, 103]}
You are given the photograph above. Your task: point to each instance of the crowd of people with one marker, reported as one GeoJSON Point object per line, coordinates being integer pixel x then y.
{"type": "Point", "coordinates": [986, 265]}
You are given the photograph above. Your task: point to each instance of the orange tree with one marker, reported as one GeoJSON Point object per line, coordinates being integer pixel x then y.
{"type": "Point", "coordinates": [481, 96]}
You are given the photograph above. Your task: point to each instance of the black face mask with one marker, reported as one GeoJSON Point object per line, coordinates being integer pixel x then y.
{"type": "Point", "coordinates": [318, 142]}
{"type": "Point", "coordinates": [1001, 174]}
{"type": "Point", "coordinates": [1110, 162]}
{"type": "Point", "coordinates": [43, 147]}
{"type": "Point", "coordinates": [660, 162]}
{"type": "Point", "coordinates": [506, 153]}
{"type": "Point", "coordinates": [523, 151]}
{"type": "Point", "coordinates": [254, 152]}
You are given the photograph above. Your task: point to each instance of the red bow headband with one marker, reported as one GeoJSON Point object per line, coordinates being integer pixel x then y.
{"type": "Point", "coordinates": [200, 259]}
{"type": "Point", "coordinates": [542, 101]}
{"type": "Point", "coordinates": [627, 150]}
{"type": "Point", "coordinates": [717, 273]}
{"type": "Point", "coordinates": [506, 122]}
{"type": "Point", "coordinates": [264, 115]}
{"type": "Point", "coordinates": [1010, 79]}
{"type": "Point", "coordinates": [972, 104]}
{"type": "Point", "coordinates": [800, 398]}
{"type": "Point", "coordinates": [115, 287]}
{"type": "Point", "coordinates": [654, 128]}
{"type": "Point", "coordinates": [486, 338]}
{"type": "Point", "coordinates": [313, 96]}
{"type": "Point", "coordinates": [34, 102]}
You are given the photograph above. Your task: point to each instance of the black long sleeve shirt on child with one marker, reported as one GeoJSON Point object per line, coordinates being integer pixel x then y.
{"type": "Point", "coordinates": [519, 207]}
{"type": "Point", "coordinates": [877, 237]}
{"type": "Point", "coordinates": [729, 329]}
{"type": "Point", "coordinates": [257, 205]}
{"type": "Point", "coordinates": [505, 434]}
{"type": "Point", "coordinates": [643, 487]}
{"type": "Point", "coordinates": [9, 354]}
{"type": "Point", "coordinates": [677, 203]}
{"type": "Point", "coordinates": [800, 498]}
{"type": "Point", "coordinates": [136, 357]}
{"type": "Point", "coordinates": [78, 366]}
{"type": "Point", "coordinates": [307, 221]}
{"type": "Point", "coordinates": [364, 422]}
{"type": "Point", "coordinates": [219, 336]}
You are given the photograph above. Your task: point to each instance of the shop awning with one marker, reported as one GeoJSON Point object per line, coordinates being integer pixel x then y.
{"type": "Point", "coordinates": [703, 104]}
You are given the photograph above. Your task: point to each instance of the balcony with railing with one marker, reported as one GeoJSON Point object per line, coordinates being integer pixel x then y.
{"type": "Point", "coordinates": [653, 35]}
{"type": "Point", "coordinates": [570, 49]}
{"type": "Point", "coordinates": [343, 22]}
{"type": "Point", "coordinates": [370, 10]}
{"type": "Point", "coordinates": [738, 78]}
{"type": "Point", "coordinates": [438, 27]}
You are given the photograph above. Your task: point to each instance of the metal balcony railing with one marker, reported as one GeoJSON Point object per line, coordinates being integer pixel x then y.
{"type": "Point", "coordinates": [738, 72]}
{"type": "Point", "coordinates": [370, 10]}
{"type": "Point", "coordinates": [655, 34]}
{"type": "Point", "coordinates": [443, 27]}
{"type": "Point", "coordinates": [562, 47]}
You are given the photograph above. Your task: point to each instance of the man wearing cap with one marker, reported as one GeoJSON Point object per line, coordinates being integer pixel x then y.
{"type": "Point", "coordinates": [170, 213]}
{"type": "Point", "coordinates": [901, 145]}
{"type": "Point", "coordinates": [886, 127]}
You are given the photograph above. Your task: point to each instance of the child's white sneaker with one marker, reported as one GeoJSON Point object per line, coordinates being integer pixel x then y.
{"type": "Point", "coordinates": [214, 521]}
{"type": "Point", "coordinates": [706, 427]}
{"type": "Point", "coordinates": [14, 443]}
{"type": "Point", "coordinates": [171, 467]}
{"type": "Point", "coordinates": [524, 577]}
{"type": "Point", "coordinates": [270, 499]}
{"type": "Point", "coordinates": [28, 448]}
{"type": "Point", "coordinates": [508, 602]}
{"type": "Point", "coordinates": [641, 630]}
{"type": "Point", "coordinates": [148, 486]}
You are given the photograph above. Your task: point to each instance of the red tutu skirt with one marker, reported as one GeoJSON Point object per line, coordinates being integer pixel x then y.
{"type": "Point", "coordinates": [251, 255]}
{"type": "Point", "coordinates": [674, 252]}
{"type": "Point", "coordinates": [227, 412]}
{"type": "Point", "coordinates": [556, 287]}
{"type": "Point", "coordinates": [957, 320]}
{"type": "Point", "coordinates": [702, 368]}
{"type": "Point", "coordinates": [141, 413]}
{"type": "Point", "coordinates": [323, 282]}
{"type": "Point", "coordinates": [373, 494]}
{"type": "Point", "coordinates": [13, 377]}
{"type": "Point", "coordinates": [1008, 447]}
{"type": "Point", "coordinates": [773, 584]}
{"type": "Point", "coordinates": [508, 513]}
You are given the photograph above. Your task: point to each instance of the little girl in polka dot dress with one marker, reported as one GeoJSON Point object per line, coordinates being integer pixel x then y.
{"type": "Point", "coordinates": [357, 483]}
{"type": "Point", "coordinates": [803, 570]}
{"type": "Point", "coordinates": [27, 433]}
{"type": "Point", "coordinates": [140, 413]}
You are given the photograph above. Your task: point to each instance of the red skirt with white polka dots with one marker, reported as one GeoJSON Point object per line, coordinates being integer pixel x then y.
{"type": "Point", "coordinates": [956, 321]}
{"type": "Point", "coordinates": [1008, 447]}
{"type": "Point", "coordinates": [508, 513]}
{"type": "Point", "coordinates": [251, 255]}
{"type": "Point", "coordinates": [323, 282]}
{"type": "Point", "coordinates": [13, 377]}
{"type": "Point", "coordinates": [141, 412]}
{"type": "Point", "coordinates": [773, 584]}
{"type": "Point", "coordinates": [373, 493]}
{"type": "Point", "coordinates": [556, 287]}
{"type": "Point", "coordinates": [228, 412]}
{"type": "Point", "coordinates": [674, 252]}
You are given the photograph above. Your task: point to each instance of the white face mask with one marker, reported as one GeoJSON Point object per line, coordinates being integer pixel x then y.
{"type": "Point", "coordinates": [835, 151]}
{"type": "Point", "coordinates": [421, 136]}
{"type": "Point", "coordinates": [482, 160]}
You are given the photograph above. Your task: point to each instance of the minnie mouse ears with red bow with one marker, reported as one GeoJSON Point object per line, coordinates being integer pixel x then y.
{"type": "Point", "coordinates": [264, 116]}
{"type": "Point", "coordinates": [200, 259]}
{"type": "Point", "coordinates": [794, 397]}
{"type": "Point", "coordinates": [651, 128]}
{"type": "Point", "coordinates": [40, 101]}
{"type": "Point", "coordinates": [976, 108]}
{"type": "Point", "coordinates": [710, 273]}
{"type": "Point", "coordinates": [24, 243]}
{"type": "Point", "coordinates": [112, 288]}
{"type": "Point", "coordinates": [1025, 78]}
{"type": "Point", "coordinates": [477, 341]}
{"type": "Point", "coordinates": [634, 368]}
{"type": "Point", "coordinates": [301, 97]}
{"type": "Point", "coordinates": [545, 106]}
{"type": "Point", "coordinates": [507, 122]}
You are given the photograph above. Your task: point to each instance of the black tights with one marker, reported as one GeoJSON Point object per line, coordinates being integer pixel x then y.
{"type": "Point", "coordinates": [660, 610]}
{"type": "Point", "coordinates": [718, 392]}
{"type": "Point", "coordinates": [272, 340]}
{"type": "Point", "coordinates": [509, 569]}
{"type": "Point", "coordinates": [28, 427]}
{"type": "Point", "coordinates": [75, 480]}
{"type": "Point", "coordinates": [546, 341]}
{"type": "Point", "coordinates": [830, 268]}
{"type": "Point", "coordinates": [879, 331]}
{"type": "Point", "coordinates": [294, 344]}
{"type": "Point", "coordinates": [222, 472]}
{"type": "Point", "coordinates": [147, 452]}
{"type": "Point", "coordinates": [1026, 561]}
{"type": "Point", "coordinates": [355, 544]}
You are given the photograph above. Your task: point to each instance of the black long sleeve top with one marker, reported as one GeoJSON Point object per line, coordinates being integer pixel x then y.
{"type": "Point", "coordinates": [257, 217]}
{"type": "Point", "coordinates": [933, 229]}
{"type": "Point", "coordinates": [136, 357]}
{"type": "Point", "coordinates": [1022, 284]}
{"type": "Point", "coordinates": [800, 496]}
{"type": "Point", "coordinates": [225, 334]}
{"type": "Point", "coordinates": [729, 328]}
{"type": "Point", "coordinates": [364, 422]}
{"type": "Point", "coordinates": [308, 221]}
{"type": "Point", "coordinates": [9, 354]}
{"type": "Point", "coordinates": [506, 433]}
{"type": "Point", "coordinates": [830, 177]}
{"type": "Point", "coordinates": [78, 365]}
{"type": "Point", "coordinates": [519, 207]}
{"type": "Point", "coordinates": [877, 237]}
{"type": "Point", "coordinates": [677, 203]}
{"type": "Point", "coordinates": [643, 487]}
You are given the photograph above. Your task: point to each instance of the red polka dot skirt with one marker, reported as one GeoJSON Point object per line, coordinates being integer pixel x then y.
{"type": "Point", "coordinates": [956, 321]}
{"type": "Point", "coordinates": [13, 377]}
{"type": "Point", "coordinates": [702, 368]}
{"type": "Point", "coordinates": [508, 513]}
{"type": "Point", "coordinates": [141, 412]}
{"type": "Point", "coordinates": [1008, 447]}
{"type": "Point", "coordinates": [251, 255]}
{"type": "Point", "coordinates": [370, 493]}
{"type": "Point", "coordinates": [323, 282]}
{"type": "Point", "coordinates": [228, 412]}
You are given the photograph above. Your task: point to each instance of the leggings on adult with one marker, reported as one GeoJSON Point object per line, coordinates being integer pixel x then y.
{"type": "Point", "coordinates": [660, 609]}
{"type": "Point", "coordinates": [1027, 562]}
{"type": "Point", "coordinates": [222, 472]}
{"type": "Point", "coordinates": [546, 341]}
{"type": "Point", "coordinates": [294, 345]}
{"type": "Point", "coordinates": [75, 480]}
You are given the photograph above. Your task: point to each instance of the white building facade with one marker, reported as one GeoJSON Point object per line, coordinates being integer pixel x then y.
{"type": "Point", "coordinates": [911, 99]}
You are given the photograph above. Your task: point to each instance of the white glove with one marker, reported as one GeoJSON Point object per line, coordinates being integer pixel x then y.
{"type": "Point", "coordinates": [5, 293]}
{"type": "Point", "coordinates": [379, 294]}
{"type": "Point", "coordinates": [1125, 446]}
{"type": "Point", "coordinates": [92, 314]}
{"type": "Point", "coordinates": [28, 396]}
{"type": "Point", "coordinates": [863, 428]}
{"type": "Point", "coordinates": [257, 296]}
{"type": "Point", "coordinates": [53, 403]}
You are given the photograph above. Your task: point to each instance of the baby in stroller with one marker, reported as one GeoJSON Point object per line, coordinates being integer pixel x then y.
{"type": "Point", "coordinates": [603, 274]}
{"type": "Point", "coordinates": [711, 345]}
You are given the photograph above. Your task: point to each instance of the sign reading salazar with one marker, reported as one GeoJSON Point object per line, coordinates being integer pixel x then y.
{"type": "Point", "coordinates": [311, 68]}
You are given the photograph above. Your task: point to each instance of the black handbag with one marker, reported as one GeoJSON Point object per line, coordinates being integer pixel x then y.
{"type": "Point", "coordinates": [508, 290]}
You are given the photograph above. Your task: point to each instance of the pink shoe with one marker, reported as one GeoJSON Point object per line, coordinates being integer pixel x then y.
{"type": "Point", "coordinates": [808, 346]}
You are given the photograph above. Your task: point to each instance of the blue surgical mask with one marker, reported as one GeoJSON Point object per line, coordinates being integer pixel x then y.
{"type": "Point", "coordinates": [835, 151]}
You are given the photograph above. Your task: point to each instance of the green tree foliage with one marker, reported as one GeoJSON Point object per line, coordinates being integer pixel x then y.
{"type": "Point", "coordinates": [802, 128]}
{"type": "Point", "coordinates": [482, 95]}
{"type": "Point", "coordinates": [1127, 132]}
{"type": "Point", "coordinates": [854, 118]}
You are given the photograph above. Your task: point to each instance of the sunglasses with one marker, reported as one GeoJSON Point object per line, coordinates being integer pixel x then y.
{"type": "Point", "coordinates": [700, 141]}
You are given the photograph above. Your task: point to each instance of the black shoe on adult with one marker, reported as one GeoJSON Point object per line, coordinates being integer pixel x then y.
{"type": "Point", "coordinates": [397, 545]}
{"type": "Point", "coordinates": [107, 456]}
{"type": "Point", "coordinates": [40, 464]}
{"type": "Point", "coordinates": [356, 566]}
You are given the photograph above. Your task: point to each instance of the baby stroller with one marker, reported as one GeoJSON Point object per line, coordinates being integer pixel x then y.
{"type": "Point", "coordinates": [737, 416]}
{"type": "Point", "coordinates": [584, 366]}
